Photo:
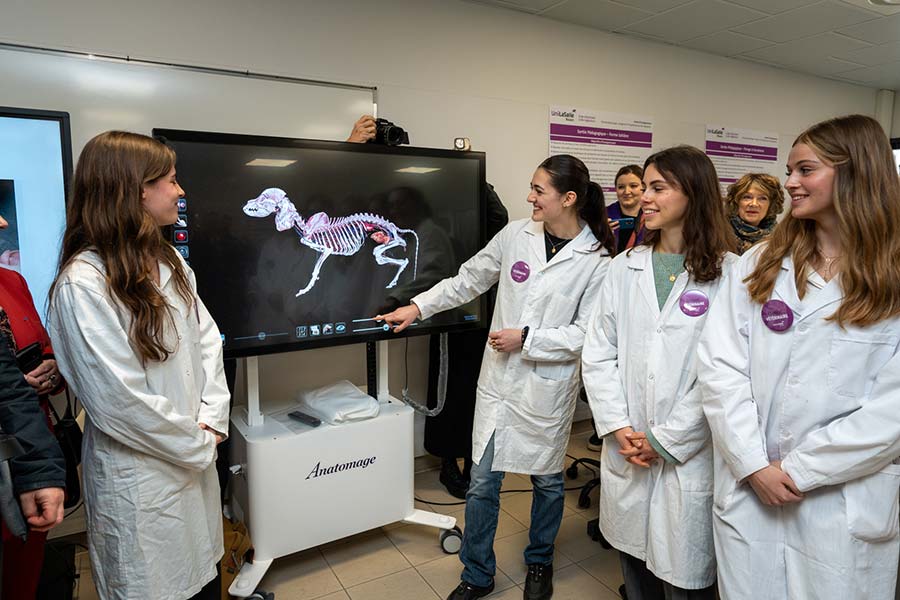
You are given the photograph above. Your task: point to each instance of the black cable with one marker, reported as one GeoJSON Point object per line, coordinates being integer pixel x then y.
{"type": "Point", "coordinates": [75, 508]}
{"type": "Point", "coordinates": [417, 499]}
{"type": "Point", "coordinates": [565, 489]}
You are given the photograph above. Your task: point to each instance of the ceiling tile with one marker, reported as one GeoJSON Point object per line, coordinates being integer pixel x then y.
{"type": "Point", "coordinates": [599, 14]}
{"type": "Point", "coordinates": [881, 31]}
{"type": "Point", "coordinates": [881, 9]}
{"type": "Point", "coordinates": [882, 76]}
{"type": "Point", "coordinates": [806, 21]}
{"type": "Point", "coordinates": [822, 66]}
{"type": "Point", "coordinates": [774, 6]}
{"type": "Point", "coordinates": [688, 21]}
{"type": "Point", "coordinates": [653, 6]}
{"type": "Point", "coordinates": [808, 49]}
{"type": "Point", "coordinates": [530, 6]}
{"type": "Point", "coordinates": [726, 43]}
{"type": "Point", "coordinates": [873, 55]}
{"type": "Point", "coordinates": [807, 55]}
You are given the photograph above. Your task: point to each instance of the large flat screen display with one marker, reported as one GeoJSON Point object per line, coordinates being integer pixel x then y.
{"type": "Point", "coordinates": [35, 168]}
{"type": "Point", "coordinates": [299, 243]}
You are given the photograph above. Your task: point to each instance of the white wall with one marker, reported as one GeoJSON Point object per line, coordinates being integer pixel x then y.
{"type": "Point", "coordinates": [895, 133]}
{"type": "Point", "coordinates": [445, 68]}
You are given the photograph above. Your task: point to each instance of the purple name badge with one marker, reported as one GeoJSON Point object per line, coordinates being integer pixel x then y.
{"type": "Point", "coordinates": [777, 315]}
{"type": "Point", "coordinates": [520, 271]}
{"type": "Point", "coordinates": [694, 303]}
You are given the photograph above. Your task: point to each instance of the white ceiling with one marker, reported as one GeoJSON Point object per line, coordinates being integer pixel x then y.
{"type": "Point", "coordinates": [848, 40]}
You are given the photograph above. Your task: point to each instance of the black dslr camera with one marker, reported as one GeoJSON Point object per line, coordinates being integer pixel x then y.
{"type": "Point", "coordinates": [388, 134]}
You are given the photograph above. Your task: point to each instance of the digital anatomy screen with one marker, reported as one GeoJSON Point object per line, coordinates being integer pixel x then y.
{"type": "Point", "coordinates": [299, 243]}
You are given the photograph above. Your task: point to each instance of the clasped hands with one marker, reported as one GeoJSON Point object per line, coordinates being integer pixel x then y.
{"type": "Point", "coordinates": [635, 447]}
{"type": "Point", "coordinates": [773, 486]}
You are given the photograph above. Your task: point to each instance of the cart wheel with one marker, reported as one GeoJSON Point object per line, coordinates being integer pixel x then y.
{"type": "Point", "coordinates": [261, 595]}
{"type": "Point", "coordinates": [572, 472]}
{"type": "Point", "coordinates": [451, 540]}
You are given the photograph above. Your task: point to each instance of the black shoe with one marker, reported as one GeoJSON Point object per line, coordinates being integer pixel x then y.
{"type": "Point", "coordinates": [539, 582]}
{"type": "Point", "coordinates": [595, 443]}
{"type": "Point", "coordinates": [467, 591]}
{"type": "Point", "coordinates": [622, 592]}
{"type": "Point", "coordinates": [452, 479]}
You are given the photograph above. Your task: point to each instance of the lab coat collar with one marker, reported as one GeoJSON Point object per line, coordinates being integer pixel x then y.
{"type": "Point", "coordinates": [165, 274]}
{"type": "Point", "coordinates": [536, 231]}
{"type": "Point", "coordinates": [582, 243]}
{"type": "Point", "coordinates": [640, 258]}
{"type": "Point", "coordinates": [786, 290]}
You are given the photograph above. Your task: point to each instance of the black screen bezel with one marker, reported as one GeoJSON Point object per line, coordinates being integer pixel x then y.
{"type": "Point", "coordinates": [206, 137]}
{"type": "Point", "coordinates": [65, 136]}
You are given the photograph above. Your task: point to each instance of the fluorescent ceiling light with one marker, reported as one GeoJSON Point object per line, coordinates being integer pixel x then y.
{"type": "Point", "coordinates": [270, 162]}
{"type": "Point", "coordinates": [417, 170]}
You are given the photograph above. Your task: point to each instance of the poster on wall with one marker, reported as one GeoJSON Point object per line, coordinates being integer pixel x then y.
{"type": "Point", "coordinates": [605, 141]}
{"type": "Point", "coordinates": [736, 152]}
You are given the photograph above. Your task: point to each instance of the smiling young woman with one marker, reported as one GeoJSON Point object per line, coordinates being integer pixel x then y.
{"type": "Point", "coordinates": [800, 372]}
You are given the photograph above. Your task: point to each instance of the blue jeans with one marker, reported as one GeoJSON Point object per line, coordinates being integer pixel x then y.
{"type": "Point", "coordinates": [483, 509]}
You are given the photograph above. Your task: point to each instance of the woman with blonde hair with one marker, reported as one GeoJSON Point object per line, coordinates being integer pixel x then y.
{"type": "Point", "coordinates": [753, 202]}
{"type": "Point", "coordinates": [142, 353]}
{"type": "Point", "coordinates": [800, 374]}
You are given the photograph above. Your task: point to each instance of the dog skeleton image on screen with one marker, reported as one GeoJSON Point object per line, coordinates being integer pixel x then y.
{"type": "Point", "coordinates": [344, 236]}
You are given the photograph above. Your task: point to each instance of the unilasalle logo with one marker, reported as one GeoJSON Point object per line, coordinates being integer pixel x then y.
{"type": "Point", "coordinates": [568, 115]}
{"type": "Point", "coordinates": [320, 471]}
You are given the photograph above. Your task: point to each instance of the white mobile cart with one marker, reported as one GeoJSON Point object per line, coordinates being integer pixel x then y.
{"type": "Point", "coordinates": [297, 487]}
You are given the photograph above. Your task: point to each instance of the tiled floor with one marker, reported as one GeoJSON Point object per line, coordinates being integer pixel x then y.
{"type": "Point", "coordinates": [405, 562]}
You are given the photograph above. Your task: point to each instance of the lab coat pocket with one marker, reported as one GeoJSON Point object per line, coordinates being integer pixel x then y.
{"type": "Point", "coordinates": [855, 358]}
{"type": "Point", "coordinates": [872, 505]}
{"type": "Point", "coordinates": [545, 398]}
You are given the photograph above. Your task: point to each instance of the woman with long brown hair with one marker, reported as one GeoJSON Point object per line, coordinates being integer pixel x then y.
{"type": "Point", "coordinates": [800, 373]}
{"type": "Point", "coordinates": [139, 348]}
{"type": "Point", "coordinates": [639, 371]}
{"type": "Point", "coordinates": [753, 203]}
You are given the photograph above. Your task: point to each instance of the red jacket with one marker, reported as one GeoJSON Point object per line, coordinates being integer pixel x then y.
{"type": "Point", "coordinates": [23, 317]}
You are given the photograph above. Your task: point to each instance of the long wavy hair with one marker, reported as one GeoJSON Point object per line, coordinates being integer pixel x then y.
{"type": "Point", "coordinates": [567, 173]}
{"type": "Point", "coordinates": [770, 186]}
{"type": "Point", "coordinates": [106, 216]}
{"type": "Point", "coordinates": [866, 198]}
{"type": "Point", "coordinates": [706, 232]}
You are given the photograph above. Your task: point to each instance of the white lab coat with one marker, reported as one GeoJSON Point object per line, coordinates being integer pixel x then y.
{"type": "Point", "coordinates": [826, 402]}
{"type": "Point", "coordinates": [151, 493]}
{"type": "Point", "coordinates": [639, 370]}
{"type": "Point", "coordinates": [526, 399]}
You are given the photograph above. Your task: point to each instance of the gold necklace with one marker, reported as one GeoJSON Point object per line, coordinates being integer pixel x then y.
{"type": "Point", "coordinates": [827, 262]}
{"type": "Point", "coordinates": [553, 246]}
{"type": "Point", "coordinates": [673, 275]}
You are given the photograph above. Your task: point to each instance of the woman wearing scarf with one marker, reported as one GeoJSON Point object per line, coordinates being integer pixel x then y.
{"type": "Point", "coordinates": [753, 202]}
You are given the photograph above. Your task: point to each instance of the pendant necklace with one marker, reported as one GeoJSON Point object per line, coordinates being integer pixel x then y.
{"type": "Point", "coordinates": [827, 263]}
{"type": "Point", "coordinates": [554, 245]}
